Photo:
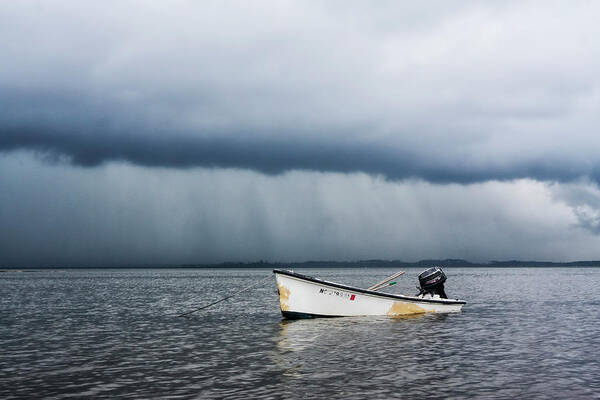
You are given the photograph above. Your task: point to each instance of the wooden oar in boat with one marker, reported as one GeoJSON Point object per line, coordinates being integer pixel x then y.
{"type": "Point", "coordinates": [382, 284]}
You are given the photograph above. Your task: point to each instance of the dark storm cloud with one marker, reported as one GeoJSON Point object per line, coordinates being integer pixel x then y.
{"type": "Point", "coordinates": [93, 146]}
{"type": "Point", "coordinates": [266, 155]}
{"type": "Point", "coordinates": [462, 94]}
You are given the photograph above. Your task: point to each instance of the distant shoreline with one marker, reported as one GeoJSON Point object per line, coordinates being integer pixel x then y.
{"type": "Point", "coordinates": [448, 263]}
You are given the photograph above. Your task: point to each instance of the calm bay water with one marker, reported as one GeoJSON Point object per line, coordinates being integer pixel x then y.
{"type": "Point", "coordinates": [528, 333]}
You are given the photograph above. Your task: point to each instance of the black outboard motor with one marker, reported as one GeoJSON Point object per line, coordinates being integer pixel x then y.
{"type": "Point", "coordinates": [432, 281]}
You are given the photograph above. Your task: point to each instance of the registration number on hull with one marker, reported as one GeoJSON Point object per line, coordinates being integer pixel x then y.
{"type": "Point", "coordinates": [337, 293]}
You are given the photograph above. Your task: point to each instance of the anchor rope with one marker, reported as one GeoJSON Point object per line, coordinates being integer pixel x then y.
{"type": "Point", "coordinates": [224, 298]}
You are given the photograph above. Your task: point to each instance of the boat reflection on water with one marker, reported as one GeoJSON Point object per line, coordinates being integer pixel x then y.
{"type": "Point", "coordinates": [301, 342]}
{"type": "Point", "coordinates": [306, 345]}
{"type": "Point", "coordinates": [298, 334]}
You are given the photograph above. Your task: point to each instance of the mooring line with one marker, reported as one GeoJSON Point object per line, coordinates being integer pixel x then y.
{"type": "Point", "coordinates": [224, 298]}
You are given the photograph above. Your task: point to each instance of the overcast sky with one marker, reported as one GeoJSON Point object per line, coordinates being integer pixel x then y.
{"type": "Point", "coordinates": [188, 131]}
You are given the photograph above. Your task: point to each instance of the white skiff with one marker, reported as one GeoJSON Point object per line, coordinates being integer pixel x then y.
{"type": "Point", "coordinates": [302, 296]}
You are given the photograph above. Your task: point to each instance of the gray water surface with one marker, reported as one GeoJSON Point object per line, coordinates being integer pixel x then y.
{"type": "Point", "coordinates": [528, 333]}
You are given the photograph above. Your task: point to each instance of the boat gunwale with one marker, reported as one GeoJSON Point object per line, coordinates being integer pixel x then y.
{"type": "Point", "coordinates": [366, 291]}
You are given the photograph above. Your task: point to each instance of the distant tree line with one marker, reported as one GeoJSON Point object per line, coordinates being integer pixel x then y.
{"type": "Point", "coordinates": [392, 264]}
{"type": "Point", "coordinates": [395, 264]}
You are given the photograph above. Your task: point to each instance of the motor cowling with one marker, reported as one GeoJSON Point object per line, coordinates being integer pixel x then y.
{"type": "Point", "coordinates": [432, 281]}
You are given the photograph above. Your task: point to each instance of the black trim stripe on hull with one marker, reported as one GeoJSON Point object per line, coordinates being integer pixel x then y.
{"type": "Point", "coordinates": [301, 315]}
{"type": "Point", "coordinates": [365, 291]}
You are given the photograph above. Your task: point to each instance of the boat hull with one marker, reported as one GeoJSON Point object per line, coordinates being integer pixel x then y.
{"type": "Point", "coordinates": [301, 296]}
